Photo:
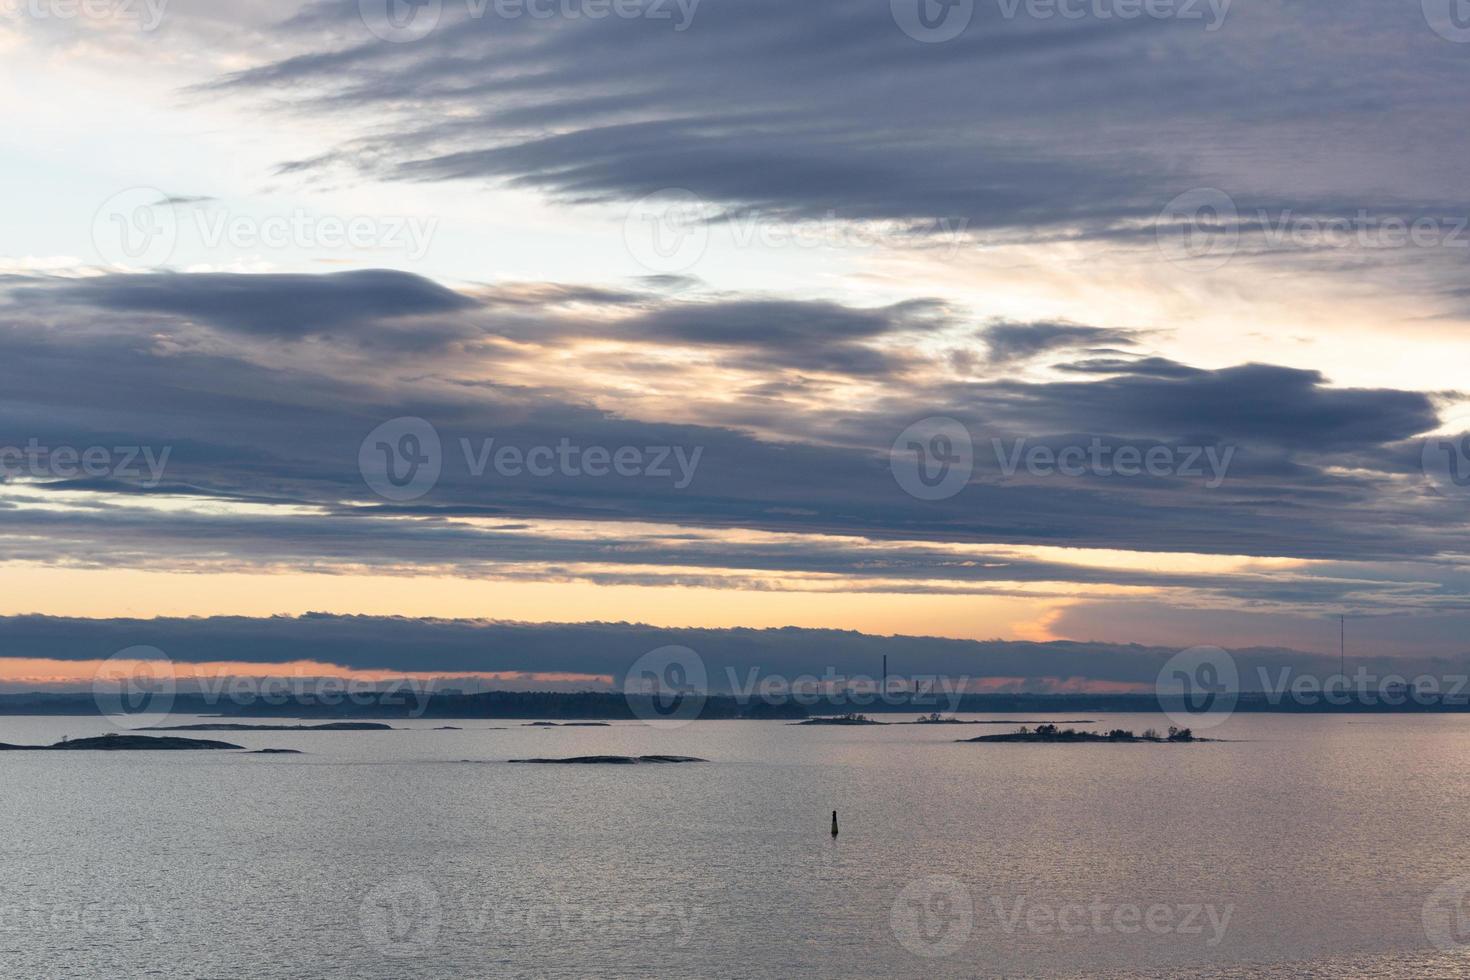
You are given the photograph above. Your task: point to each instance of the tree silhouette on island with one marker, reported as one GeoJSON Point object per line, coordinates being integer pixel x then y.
{"type": "Point", "coordinates": [1051, 733]}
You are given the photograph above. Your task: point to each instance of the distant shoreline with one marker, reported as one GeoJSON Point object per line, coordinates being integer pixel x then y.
{"type": "Point", "coordinates": [599, 706]}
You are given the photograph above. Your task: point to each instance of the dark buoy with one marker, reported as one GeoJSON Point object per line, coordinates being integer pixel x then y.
{"type": "Point", "coordinates": [834, 823]}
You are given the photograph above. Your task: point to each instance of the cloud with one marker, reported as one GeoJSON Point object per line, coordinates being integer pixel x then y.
{"type": "Point", "coordinates": [285, 307]}
{"type": "Point", "coordinates": [1254, 404]}
{"type": "Point", "coordinates": [807, 336]}
{"type": "Point", "coordinates": [730, 656]}
{"type": "Point", "coordinates": [264, 440]}
{"type": "Point", "coordinates": [977, 129]}
{"type": "Point", "coordinates": [1158, 367]}
{"type": "Point", "coordinates": [1013, 342]}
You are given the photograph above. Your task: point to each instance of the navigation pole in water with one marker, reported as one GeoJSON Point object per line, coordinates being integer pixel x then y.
{"type": "Point", "coordinates": [834, 823]}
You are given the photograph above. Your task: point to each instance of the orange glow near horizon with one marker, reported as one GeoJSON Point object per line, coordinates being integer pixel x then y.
{"type": "Point", "coordinates": [33, 589]}
{"type": "Point", "coordinates": [47, 672]}
{"type": "Point", "coordinates": [42, 673]}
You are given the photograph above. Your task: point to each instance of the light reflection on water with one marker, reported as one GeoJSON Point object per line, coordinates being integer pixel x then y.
{"type": "Point", "coordinates": [419, 853]}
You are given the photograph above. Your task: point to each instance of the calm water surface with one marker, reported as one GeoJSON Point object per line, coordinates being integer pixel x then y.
{"type": "Point", "coordinates": [1309, 847]}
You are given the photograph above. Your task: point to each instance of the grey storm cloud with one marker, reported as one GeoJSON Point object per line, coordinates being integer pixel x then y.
{"type": "Point", "coordinates": [1011, 342]}
{"type": "Point", "coordinates": [1260, 404]}
{"type": "Point", "coordinates": [827, 108]}
{"type": "Point", "coordinates": [622, 108]}
{"type": "Point", "coordinates": [104, 362]}
{"type": "Point", "coordinates": [281, 306]}
{"type": "Point", "coordinates": [811, 336]}
{"type": "Point", "coordinates": [1158, 367]}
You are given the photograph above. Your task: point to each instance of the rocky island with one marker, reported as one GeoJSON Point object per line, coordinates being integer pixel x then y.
{"type": "Point", "coordinates": [117, 743]}
{"type": "Point", "coordinates": [1051, 733]}
{"type": "Point", "coordinates": [610, 760]}
{"type": "Point", "coordinates": [841, 720]}
{"type": "Point", "coordinates": [336, 726]}
{"type": "Point", "coordinates": [566, 724]}
{"type": "Point", "coordinates": [935, 718]}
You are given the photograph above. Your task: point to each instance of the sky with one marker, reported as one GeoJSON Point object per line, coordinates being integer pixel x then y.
{"type": "Point", "coordinates": [1044, 326]}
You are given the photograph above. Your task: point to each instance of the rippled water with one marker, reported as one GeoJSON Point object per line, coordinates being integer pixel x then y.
{"type": "Point", "coordinates": [1310, 847]}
